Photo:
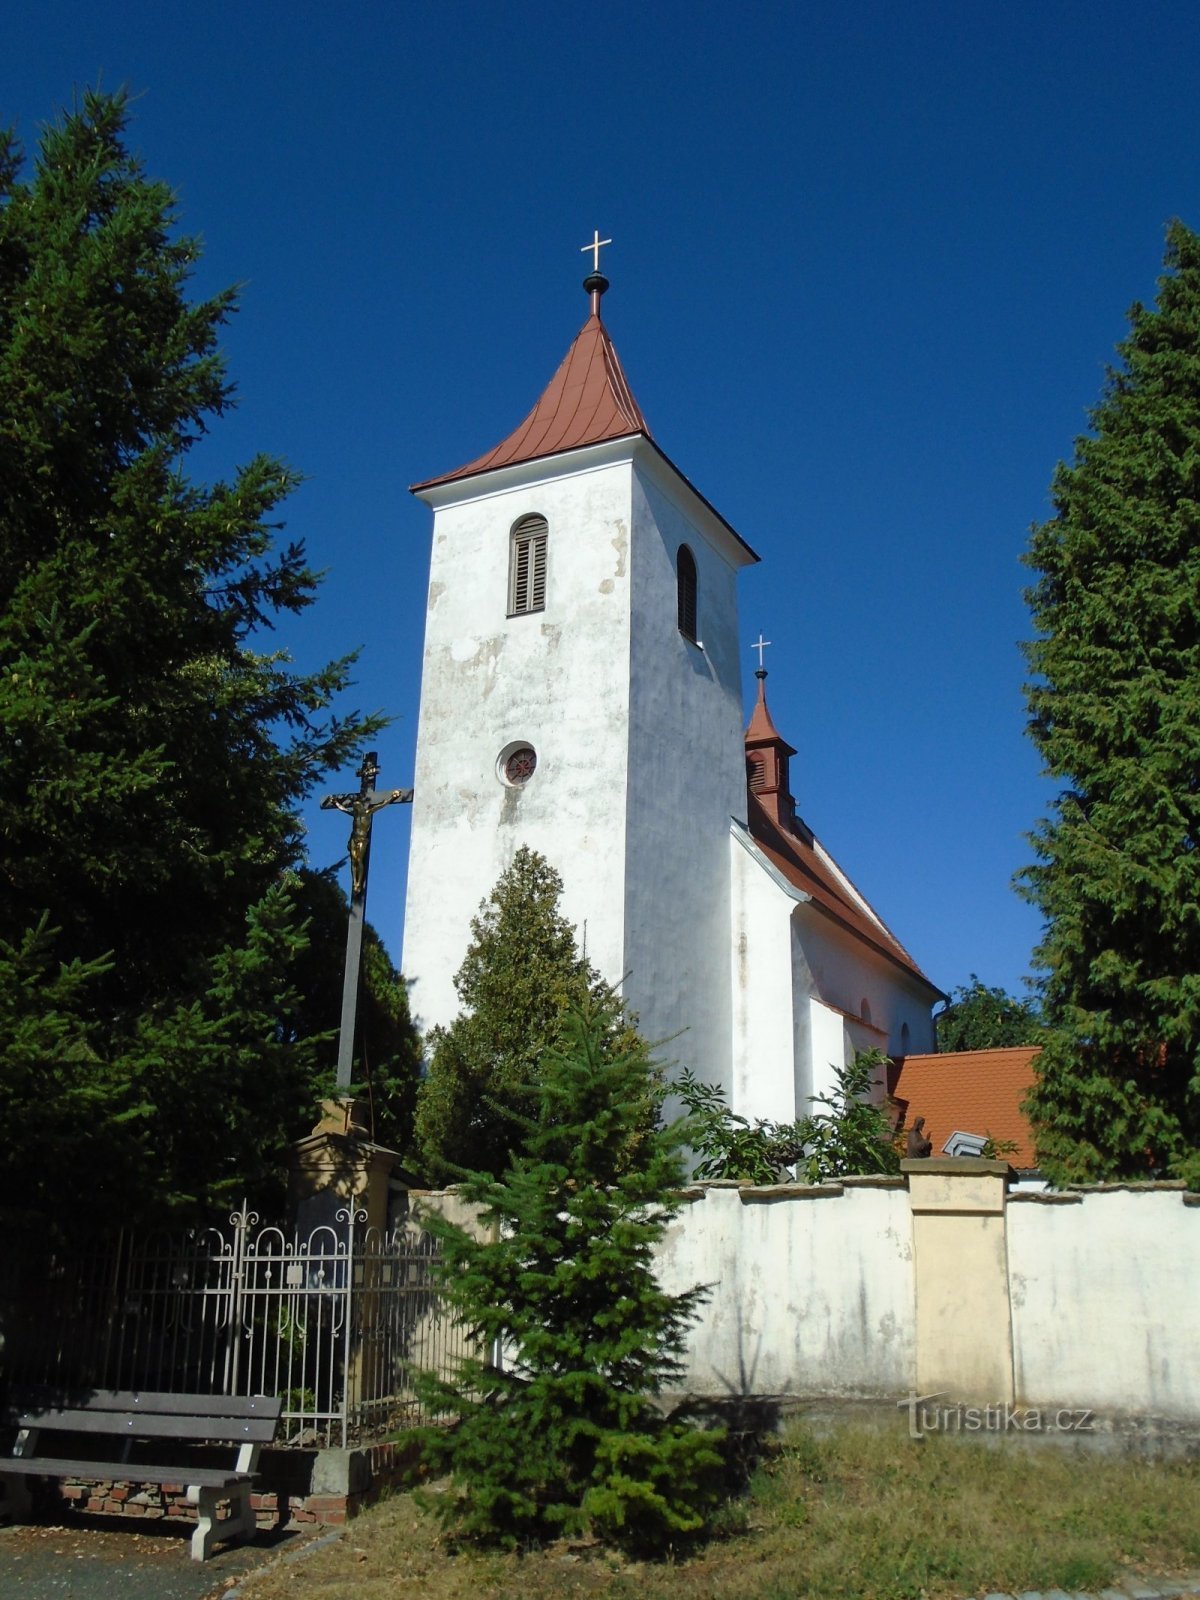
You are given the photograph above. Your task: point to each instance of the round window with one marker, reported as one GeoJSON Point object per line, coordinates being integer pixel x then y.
{"type": "Point", "coordinates": [517, 764]}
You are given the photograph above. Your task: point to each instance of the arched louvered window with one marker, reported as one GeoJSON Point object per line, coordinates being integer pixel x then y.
{"type": "Point", "coordinates": [527, 566]}
{"type": "Point", "coordinates": [756, 771]}
{"type": "Point", "coordinates": [685, 577]}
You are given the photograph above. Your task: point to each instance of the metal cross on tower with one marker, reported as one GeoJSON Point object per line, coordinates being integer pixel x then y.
{"type": "Point", "coordinates": [361, 807]}
{"type": "Point", "coordinates": [595, 247]}
{"type": "Point", "coordinates": [760, 644]}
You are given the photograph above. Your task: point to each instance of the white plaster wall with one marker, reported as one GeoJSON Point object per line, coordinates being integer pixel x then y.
{"type": "Point", "coordinates": [840, 970]}
{"type": "Point", "coordinates": [828, 1051]}
{"type": "Point", "coordinates": [1105, 1294]}
{"type": "Point", "coordinates": [764, 1036]}
{"type": "Point", "coordinates": [686, 779]}
{"type": "Point", "coordinates": [558, 678]}
{"type": "Point", "coordinates": [810, 1295]}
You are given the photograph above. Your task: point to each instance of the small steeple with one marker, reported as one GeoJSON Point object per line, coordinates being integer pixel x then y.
{"type": "Point", "coordinates": [767, 756]}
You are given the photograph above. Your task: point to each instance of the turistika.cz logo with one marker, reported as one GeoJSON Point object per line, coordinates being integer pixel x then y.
{"type": "Point", "coordinates": [926, 1416]}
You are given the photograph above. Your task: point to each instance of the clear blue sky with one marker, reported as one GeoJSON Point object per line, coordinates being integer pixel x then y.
{"type": "Point", "coordinates": [869, 265]}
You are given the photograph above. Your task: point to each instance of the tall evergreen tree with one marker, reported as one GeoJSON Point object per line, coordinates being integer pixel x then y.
{"type": "Point", "coordinates": [152, 758]}
{"type": "Point", "coordinates": [521, 975]}
{"type": "Point", "coordinates": [1115, 711]}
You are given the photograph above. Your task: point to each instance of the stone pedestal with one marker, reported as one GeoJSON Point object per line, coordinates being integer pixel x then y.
{"type": "Point", "coordinates": [964, 1320]}
{"type": "Point", "coordinates": [337, 1166]}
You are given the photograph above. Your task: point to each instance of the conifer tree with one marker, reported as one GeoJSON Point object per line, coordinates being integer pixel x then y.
{"type": "Point", "coordinates": [560, 1435]}
{"type": "Point", "coordinates": [1115, 711]}
{"type": "Point", "coordinates": [152, 757]}
{"type": "Point", "coordinates": [521, 974]}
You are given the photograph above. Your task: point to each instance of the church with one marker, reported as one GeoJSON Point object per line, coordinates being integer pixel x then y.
{"type": "Point", "coordinates": [581, 694]}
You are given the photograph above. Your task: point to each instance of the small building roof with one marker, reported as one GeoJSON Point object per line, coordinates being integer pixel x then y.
{"type": "Point", "coordinates": [970, 1091]}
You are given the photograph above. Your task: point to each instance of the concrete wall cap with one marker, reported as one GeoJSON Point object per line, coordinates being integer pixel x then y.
{"type": "Point", "coordinates": [950, 1166]}
{"type": "Point", "coordinates": [756, 1193]}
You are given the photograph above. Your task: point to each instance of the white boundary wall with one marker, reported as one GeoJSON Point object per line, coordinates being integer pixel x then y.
{"type": "Point", "coordinates": [812, 1288]}
{"type": "Point", "coordinates": [817, 1291]}
{"type": "Point", "coordinates": [1105, 1293]}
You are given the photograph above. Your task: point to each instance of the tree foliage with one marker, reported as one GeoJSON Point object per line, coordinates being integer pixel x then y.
{"type": "Point", "coordinates": [152, 754]}
{"type": "Point", "coordinates": [1114, 704]}
{"type": "Point", "coordinates": [560, 1435]}
{"type": "Point", "coordinates": [521, 976]}
{"type": "Point", "coordinates": [852, 1135]}
{"type": "Point", "coordinates": [979, 1018]}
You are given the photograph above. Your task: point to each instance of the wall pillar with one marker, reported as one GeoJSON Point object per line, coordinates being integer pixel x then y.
{"type": "Point", "coordinates": [964, 1319]}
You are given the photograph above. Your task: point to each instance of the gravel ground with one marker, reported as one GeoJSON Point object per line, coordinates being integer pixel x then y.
{"type": "Point", "coordinates": [102, 1562]}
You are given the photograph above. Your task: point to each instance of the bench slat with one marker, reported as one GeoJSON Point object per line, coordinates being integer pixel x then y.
{"type": "Point", "coordinates": [123, 1471]}
{"type": "Point", "coordinates": [147, 1426]}
{"type": "Point", "coordinates": [145, 1400]}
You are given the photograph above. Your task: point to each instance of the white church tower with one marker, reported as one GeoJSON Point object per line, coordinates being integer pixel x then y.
{"type": "Point", "coordinates": [581, 694]}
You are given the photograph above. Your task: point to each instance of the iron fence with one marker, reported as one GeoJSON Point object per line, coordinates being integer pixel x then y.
{"type": "Point", "coordinates": [335, 1321]}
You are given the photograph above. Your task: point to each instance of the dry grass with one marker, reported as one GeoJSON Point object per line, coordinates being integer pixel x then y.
{"type": "Point", "coordinates": [862, 1513]}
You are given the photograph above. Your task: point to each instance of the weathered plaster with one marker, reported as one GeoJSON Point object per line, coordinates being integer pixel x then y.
{"type": "Point", "coordinates": [1106, 1301]}
{"type": "Point", "coordinates": [812, 1294]}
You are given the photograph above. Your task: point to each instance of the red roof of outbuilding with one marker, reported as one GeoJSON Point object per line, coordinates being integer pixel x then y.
{"type": "Point", "coordinates": [587, 401]}
{"type": "Point", "coordinates": [970, 1091]}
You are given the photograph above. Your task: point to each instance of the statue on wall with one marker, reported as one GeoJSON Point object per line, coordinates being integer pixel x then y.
{"type": "Point", "coordinates": [918, 1146]}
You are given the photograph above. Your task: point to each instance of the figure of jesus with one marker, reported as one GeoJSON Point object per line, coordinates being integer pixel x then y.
{"type": "Point", "coordinates": [362, 807]}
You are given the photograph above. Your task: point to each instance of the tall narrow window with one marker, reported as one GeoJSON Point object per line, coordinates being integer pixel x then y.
{"type": "Point", "coordinates": [527, 566]}
{"type": "Point", "coordinates": [685, 575]}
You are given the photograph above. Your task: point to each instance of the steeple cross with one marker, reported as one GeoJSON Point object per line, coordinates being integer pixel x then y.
{"type": "Point", "coordinates": [595, 247]}
{"type": "Point", "coordinates": [760, 644]}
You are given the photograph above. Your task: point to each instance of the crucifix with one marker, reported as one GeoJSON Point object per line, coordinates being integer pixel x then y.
{"type": "Point", "coordinates": [760, 644]}
{"type": "Point", "coordinates": [595, 247]}
{"type": "Point", "coordinates": [361, 808]}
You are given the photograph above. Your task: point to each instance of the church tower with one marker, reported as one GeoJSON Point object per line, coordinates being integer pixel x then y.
{"type": "Point", "coordinates": [581, 694]}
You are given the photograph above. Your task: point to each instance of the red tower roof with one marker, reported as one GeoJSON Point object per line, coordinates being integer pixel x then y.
{"type": "Point", "coordinates": [587, 401]}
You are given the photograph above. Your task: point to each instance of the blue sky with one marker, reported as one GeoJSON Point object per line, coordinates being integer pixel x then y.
{"type": "Point", "coordinates": [868, 267]}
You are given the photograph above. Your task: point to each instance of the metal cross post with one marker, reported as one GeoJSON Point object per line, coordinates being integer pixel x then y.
{"type": "Point", "coordinates": [595, 247]}
{"type": "Point", "coordinates": [362, 808]}
{"type": "Point", "coordinates": [760, 644]}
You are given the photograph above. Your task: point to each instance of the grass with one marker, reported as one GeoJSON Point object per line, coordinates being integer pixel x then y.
{"type": "Point", "coordinates": [864, 1512]}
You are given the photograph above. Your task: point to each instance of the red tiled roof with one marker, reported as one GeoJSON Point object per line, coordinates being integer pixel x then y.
{"type": "Point", "coordinates": [970, 1091]}
{"type": "Point", "coordinates": [587, 401]}
{"type": "Point", "coordinates": [808, 866]}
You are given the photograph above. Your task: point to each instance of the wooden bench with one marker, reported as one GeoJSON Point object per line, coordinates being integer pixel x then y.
{"type": "Point", "coordinates": [128, 1426]}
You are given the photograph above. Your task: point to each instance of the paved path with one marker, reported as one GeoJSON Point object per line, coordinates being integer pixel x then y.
{"type": "Point", "coordinates": [40, 1562]}
{"type": "Point", "coordinates": [1129, 1588]}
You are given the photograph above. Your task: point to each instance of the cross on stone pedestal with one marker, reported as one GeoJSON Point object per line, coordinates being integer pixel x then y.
{"type": "Point", "coordinates": [361, 807]}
